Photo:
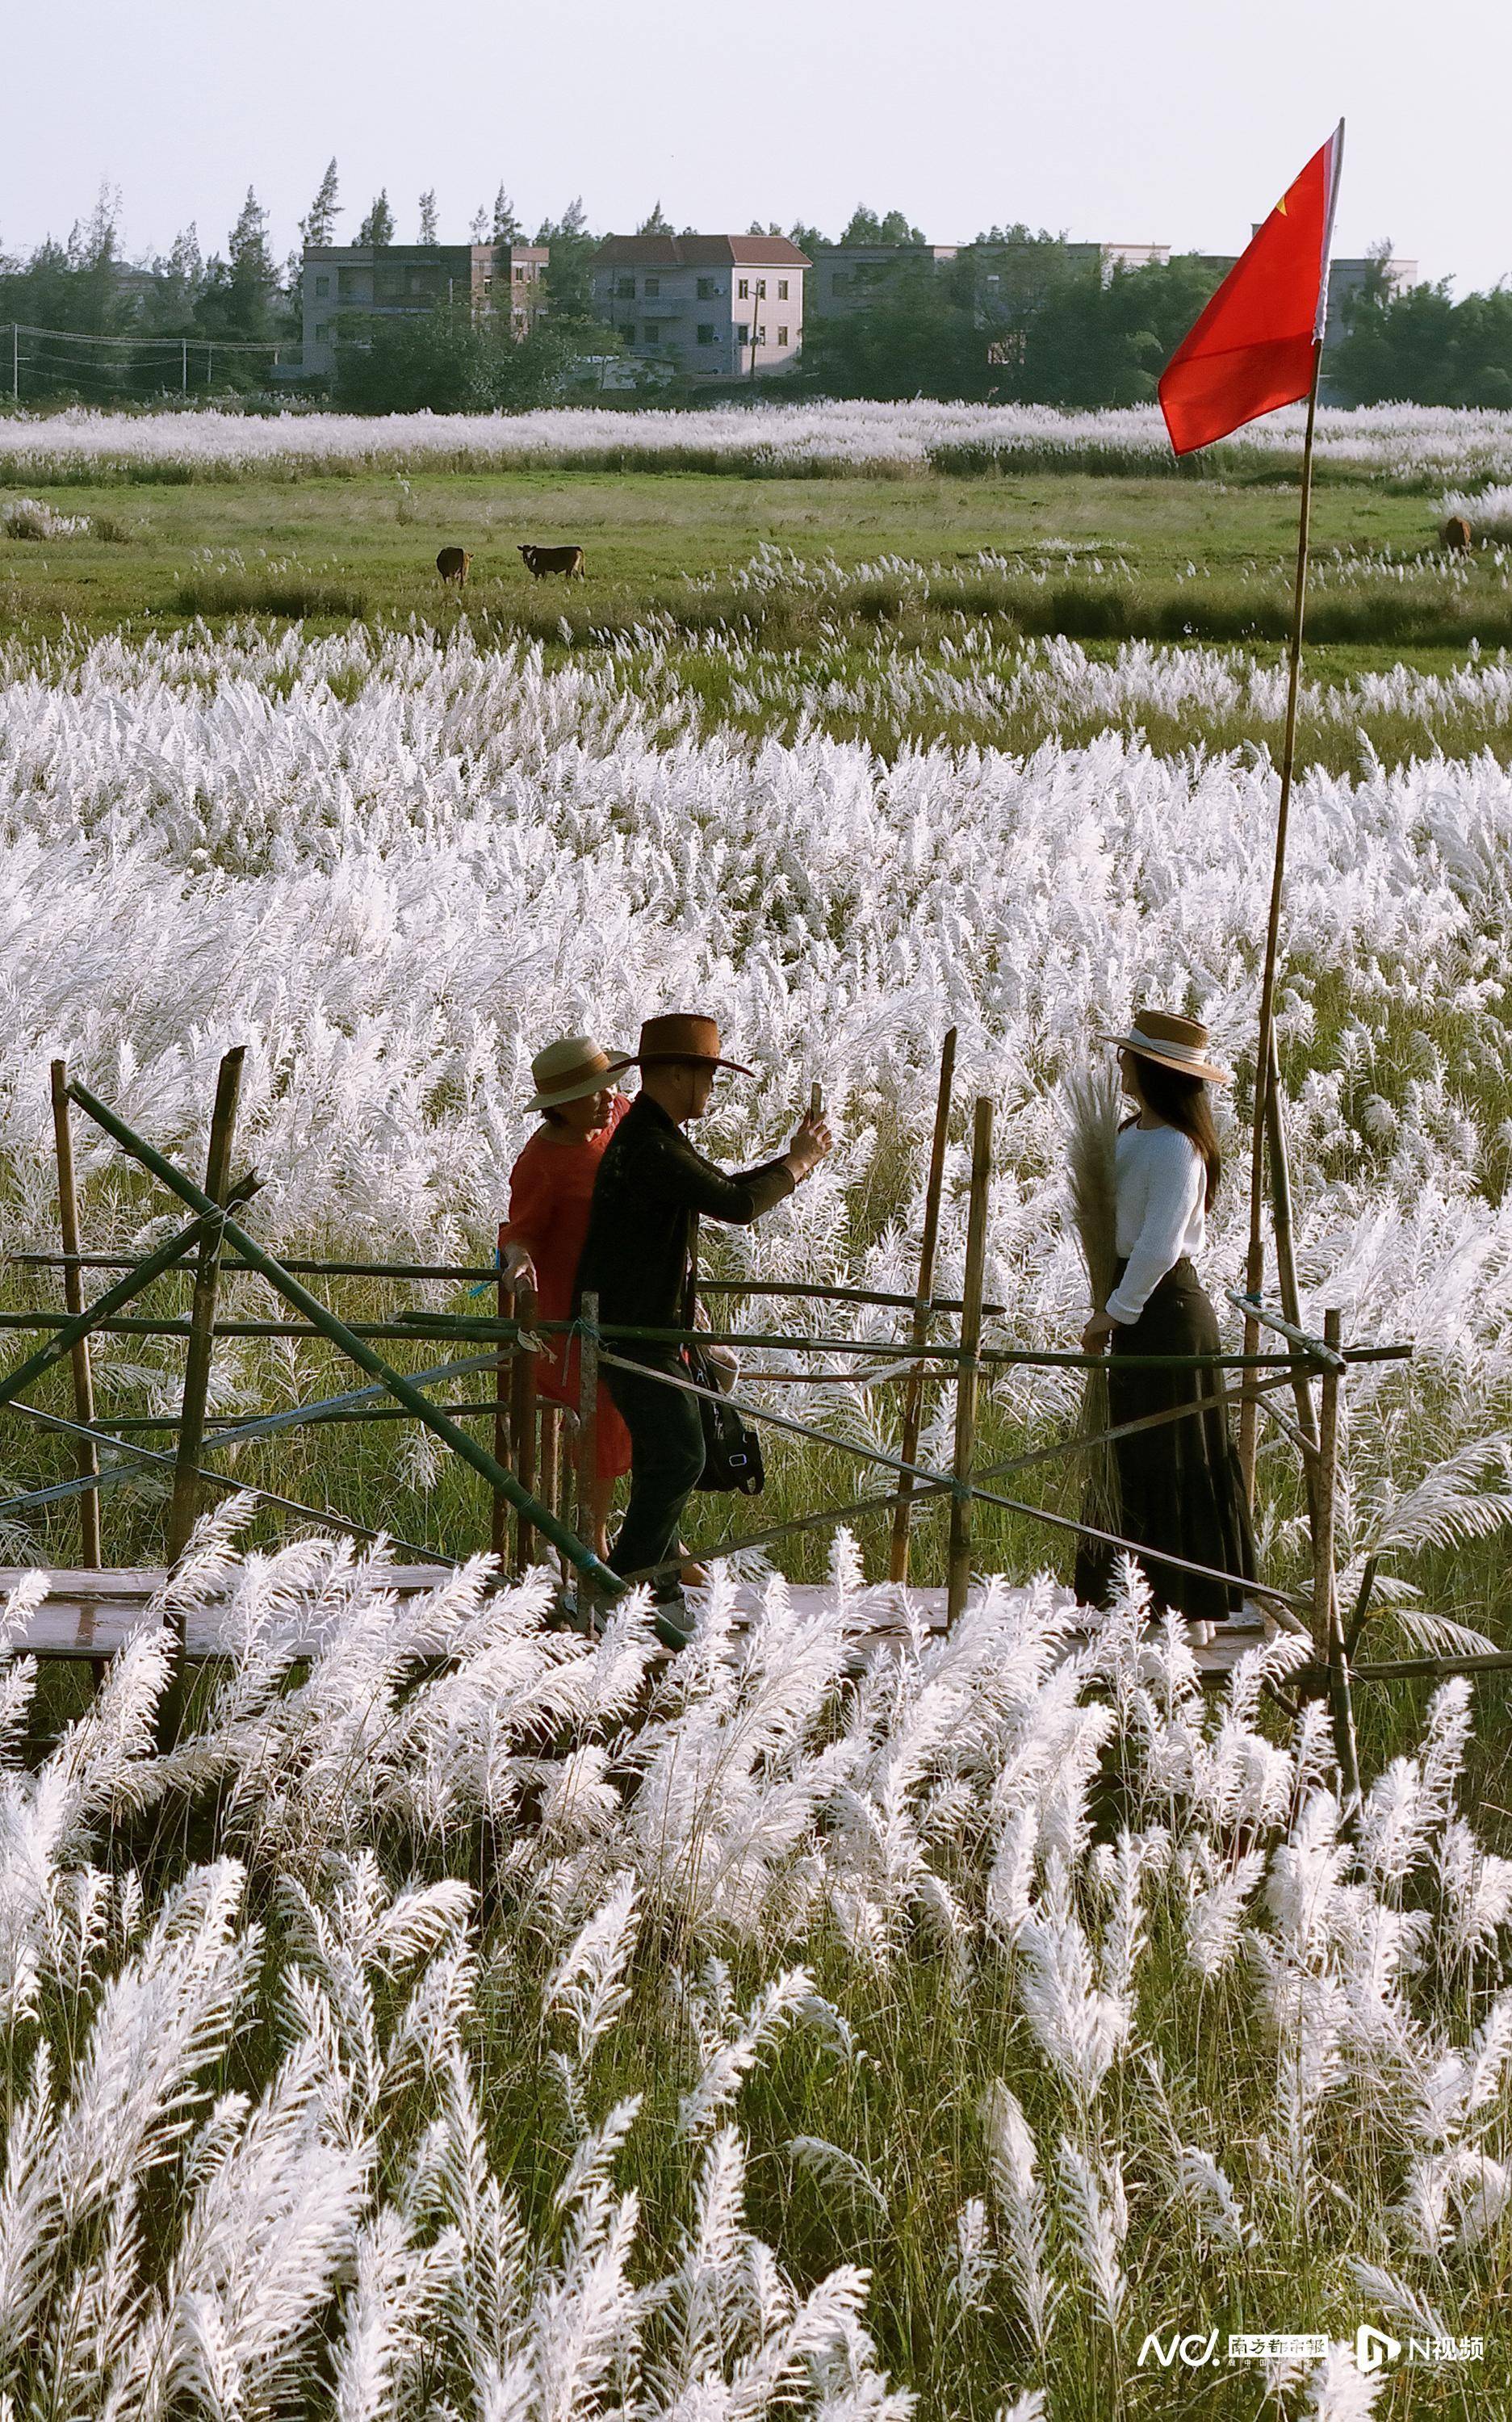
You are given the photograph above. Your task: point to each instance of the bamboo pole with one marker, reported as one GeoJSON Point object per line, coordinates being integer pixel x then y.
{"type": "Point", "coordinates": [1256, 1263]}
{"type": "Point", "coordinates": [487, 1330]}
{"type": "Point", "coordinates": [913, 1401]}
{"type": "Point", "coordinates": [1328, 1635]}
{"type": "Point", "coordinates": [970, 1370]}
{"type": "Point", "coordinates": [503, 1439]}
{"type": "Point", "coordinates": [523, 1426]}
{"type": "Point", "coordinates": [86, 1454]}
{"type": "Point", "coordinates": [796, 1288]}
{"type": "Point", "coordinates": [186, 1502]}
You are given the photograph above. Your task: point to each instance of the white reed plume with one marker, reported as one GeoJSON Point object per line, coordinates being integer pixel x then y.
{"type": "Point", "coordinates": [1022, 2232]}
{"type": "Point", "coordinates": [1220, 2216]}
{"type": "Point", "coordinates": [1079, 2028]}
{"type": "Point", "coordinates": [1337, 2391]}
{"type": "Point", "coordinates": [1096, 2217]}
{"type": "Point", "coordinates": [590, 1984]}
{"type": "Point", "coordinates": [729, 2042]}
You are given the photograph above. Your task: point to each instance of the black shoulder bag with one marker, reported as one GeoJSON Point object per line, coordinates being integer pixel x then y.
{"type": "Point", "coordinates": [732, 1449]}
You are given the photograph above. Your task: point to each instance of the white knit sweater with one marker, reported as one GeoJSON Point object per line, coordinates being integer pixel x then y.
{"type": "Point", "coordinates": [1160, 1181]}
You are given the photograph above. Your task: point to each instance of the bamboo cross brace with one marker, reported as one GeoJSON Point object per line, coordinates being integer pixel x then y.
{"type": "Point", "coordinates": [355, 1347]}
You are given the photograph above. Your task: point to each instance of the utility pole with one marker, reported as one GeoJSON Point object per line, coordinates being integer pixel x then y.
{"type": "Point", "coordinates": [15, 363]}
{"type": "Point", "coordinates": [183, 368]}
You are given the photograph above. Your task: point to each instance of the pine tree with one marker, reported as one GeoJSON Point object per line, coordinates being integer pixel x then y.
{"type": "Point", "coordinates": [178, 274]}
{"type": "Point", "coordinates": [428, 231]}
{"type": "Point", "coordinates": [506, 228]}
{"type": "Point", "coordinates": [658, 222]}
{"type": "Point", "coordinates": [248, 279]}
{"type": "Point", "coordinates": [378, 226]}
{"type": "Point", "coordinates": [567, 277]}
{"type": "Point", "coordinates": [318, 227]}
{"type": "Point", "coordinates": [480, 225]}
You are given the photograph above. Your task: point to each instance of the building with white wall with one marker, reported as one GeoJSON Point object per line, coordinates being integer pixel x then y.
{"type": "Point", "coordinates": [721, 307]}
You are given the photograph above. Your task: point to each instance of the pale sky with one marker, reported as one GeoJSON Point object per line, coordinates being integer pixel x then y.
{"type": "Point", "coordinates": [1174, 122]}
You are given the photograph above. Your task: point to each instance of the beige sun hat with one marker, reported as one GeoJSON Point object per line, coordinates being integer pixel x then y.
{"type": "Point", "coordinates": [1172, 1042]}
{"type": "Point", "coordinates": [565, 1071]}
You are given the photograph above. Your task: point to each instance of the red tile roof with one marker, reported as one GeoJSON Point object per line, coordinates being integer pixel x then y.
{"type": "Point", "coordinates": [697, 252]}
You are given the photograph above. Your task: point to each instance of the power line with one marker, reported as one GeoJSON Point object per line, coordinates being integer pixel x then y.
{"type": "Point", "coordinates": [56, 356]}
{"type": "Point", "coordinates": [220, 344]}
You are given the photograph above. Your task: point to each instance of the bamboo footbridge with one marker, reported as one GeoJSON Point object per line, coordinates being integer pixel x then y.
{"type": "Point", "coordinates": [90, 1610]}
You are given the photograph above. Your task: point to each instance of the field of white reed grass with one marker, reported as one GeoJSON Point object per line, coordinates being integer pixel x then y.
{"type": "Point", "coordinates": [1411, 442]}
{"type": "Point", "coordinates": [393, 868]}
{"type": "Point", "coordinates": [564, 2035]}
{"type": "Point", "coordinates": [856, 2036]}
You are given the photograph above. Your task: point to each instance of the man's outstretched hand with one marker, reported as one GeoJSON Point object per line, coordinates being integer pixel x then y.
{"type": "Point", "coordinates": [811, 1143]}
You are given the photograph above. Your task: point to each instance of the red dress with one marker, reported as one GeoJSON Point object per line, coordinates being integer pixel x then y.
{"type": "Point", "coordinates": [551, 1186]}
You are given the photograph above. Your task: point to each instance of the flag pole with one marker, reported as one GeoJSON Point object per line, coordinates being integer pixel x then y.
{"type": "Point", "coordinates": [1265, 1070]}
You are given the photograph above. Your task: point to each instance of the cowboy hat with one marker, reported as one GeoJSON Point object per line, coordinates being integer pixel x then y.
{"type": "Point", "coordinates": [565, 1071]}
{"type": "Point", "coordinates": [677, 1037]}
{"type": "Point", "coordinates": [1172, 1042]}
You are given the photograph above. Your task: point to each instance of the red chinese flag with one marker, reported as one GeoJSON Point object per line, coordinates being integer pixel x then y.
{"type": "Point", "coordinates": [1253, 348]}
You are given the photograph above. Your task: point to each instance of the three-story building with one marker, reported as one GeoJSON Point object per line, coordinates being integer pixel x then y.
{"type": "Point", "coordinates": [716, 306]}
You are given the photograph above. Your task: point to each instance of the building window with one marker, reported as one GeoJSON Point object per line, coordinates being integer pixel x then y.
{"type": "Point", "coordinates": [519, 273]}
{"type": "Point", "coordinates": [624, 287]}
{"type": "Point", "coordinates": [781, 336]}
{"type": "Point", "coordinates": [323, 288]}
{"type": "Point", "coordinates": [781, 290]}
{"type": "Point", "coordinates": [708, 289]}
{"type": "Point", "coordinates": [652, 286]}
{"type": "Point", "coordinates": [705, 331]}
{"type": "Point", "coordinates": [839, 281]}
{"type": "Point", "coordinates": [323, 331]}
{"type": "Point", "coordinates": [761, 334]}
{"type": "Point", "coordinates": [743, 290]}
{"type": "Point", "coordinates": [488, 283]}
{"type": "Point", "coordinates": [651, 334]}
{"type": "Point", "coordinates": [742, 331]}
{"type": "Point", "coordinates": [761, 290]}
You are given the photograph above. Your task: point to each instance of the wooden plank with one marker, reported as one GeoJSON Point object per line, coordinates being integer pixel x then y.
{"type": "Point", "coordinates": [94, 1614]}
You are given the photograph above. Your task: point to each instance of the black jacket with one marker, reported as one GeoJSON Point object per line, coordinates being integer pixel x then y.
{"type": "Point", "coordinates": [650, 1184]}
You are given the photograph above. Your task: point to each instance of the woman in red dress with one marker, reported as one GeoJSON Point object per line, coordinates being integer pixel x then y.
{"type": "Point", "coordinates": [551, 1186]}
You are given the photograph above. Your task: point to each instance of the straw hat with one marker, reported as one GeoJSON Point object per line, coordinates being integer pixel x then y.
{"type": "Point", "coordinates": [677, 1037]}
{"type": "Point", "coordinates": [565, 1071]}
{"type": "Point", "coordinates": [1172, 1042]}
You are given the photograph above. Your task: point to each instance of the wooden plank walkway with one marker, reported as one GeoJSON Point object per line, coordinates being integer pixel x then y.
{"type": "Point", "coordinates": [92, 1614]}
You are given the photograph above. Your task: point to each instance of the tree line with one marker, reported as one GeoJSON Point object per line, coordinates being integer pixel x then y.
{"type": "Point", "coordinates": [1018, 316]}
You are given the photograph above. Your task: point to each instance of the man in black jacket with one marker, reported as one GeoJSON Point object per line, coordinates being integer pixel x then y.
{"type": "Point", "coordinates": [651, 1185]}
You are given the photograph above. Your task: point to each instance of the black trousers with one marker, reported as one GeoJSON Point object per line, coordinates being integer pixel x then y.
{"type": "Point", "coordinates": [1179, 1486]}
{"type": "Point", "coordinates": [666, 1458]}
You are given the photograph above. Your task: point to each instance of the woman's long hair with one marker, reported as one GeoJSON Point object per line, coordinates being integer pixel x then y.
{"type": "Point", "coordinates": [1184, 1102]}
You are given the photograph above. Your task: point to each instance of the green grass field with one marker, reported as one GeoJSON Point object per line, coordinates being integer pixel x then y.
{"type": "Point", "coordinates": [367, 544]}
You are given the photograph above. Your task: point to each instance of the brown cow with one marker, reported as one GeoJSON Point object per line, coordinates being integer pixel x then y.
{"type": "Point", "coordinates": [453, 563]}
{"type": "Point", "coordinates": [539, 561]}
{"type": "Point", "coordinates": [1455, 534]}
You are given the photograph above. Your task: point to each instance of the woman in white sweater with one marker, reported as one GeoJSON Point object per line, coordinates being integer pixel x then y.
{"type": "Point", "coordinates": [1179, 1482]}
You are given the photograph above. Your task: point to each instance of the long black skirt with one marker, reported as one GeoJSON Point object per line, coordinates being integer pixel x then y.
{"type": "Point", "coordinates": [1179, 1484]}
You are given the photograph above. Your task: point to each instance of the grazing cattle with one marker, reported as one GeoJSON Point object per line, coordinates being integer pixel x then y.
{"type": "Point", "coordinates": [453, 563]}
{"type": "Point", "coordinates": [539, 561]}
{"type": "Point", "coordinates": [1455, 534]}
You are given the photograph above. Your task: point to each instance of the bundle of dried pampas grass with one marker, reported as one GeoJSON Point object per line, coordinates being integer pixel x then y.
{"type": "Point", "coordinates": [1093, 1108]}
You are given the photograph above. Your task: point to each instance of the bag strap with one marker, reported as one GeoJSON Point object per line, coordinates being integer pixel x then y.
{"type": "Point", "coordinates": [690, 1281]}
